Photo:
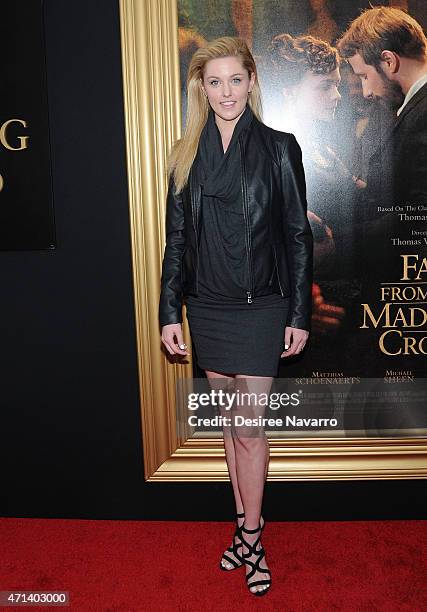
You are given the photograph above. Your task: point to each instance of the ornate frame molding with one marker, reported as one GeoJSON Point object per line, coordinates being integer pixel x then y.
{"type": "Point", "coordinates": [149, 39]}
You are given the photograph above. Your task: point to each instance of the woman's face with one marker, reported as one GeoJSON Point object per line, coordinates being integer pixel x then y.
{"type": "Point", "coordinates": [226, 83]}
{"type": "Point", "coordinates": [316, 96]}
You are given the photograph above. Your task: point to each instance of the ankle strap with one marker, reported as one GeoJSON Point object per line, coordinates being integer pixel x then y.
{"type": "Point", "coordinates": [250, 530]}
{"type": "Point", "coordinates": [240, 514]}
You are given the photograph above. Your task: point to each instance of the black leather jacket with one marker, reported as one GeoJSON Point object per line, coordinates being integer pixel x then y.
{"type": "Point", "coordinates": [279, 240]}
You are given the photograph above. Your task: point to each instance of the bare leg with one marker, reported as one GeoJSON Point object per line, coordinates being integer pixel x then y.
{"type": "Point", "coordinates": [221, 381]}
{"type": "Point", "coordinates": [251, 457]}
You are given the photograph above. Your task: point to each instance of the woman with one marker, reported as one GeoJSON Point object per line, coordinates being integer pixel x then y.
{"type": "Point", "coordinates": [239, 253]}
{"type": "Point", "coordinates": [306, 71]}
{"type": "Point", "coordinates": [306, 77]}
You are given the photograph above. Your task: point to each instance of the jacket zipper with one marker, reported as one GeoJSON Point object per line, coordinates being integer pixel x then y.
{"type": "Point", "coordinates": [247, 234]}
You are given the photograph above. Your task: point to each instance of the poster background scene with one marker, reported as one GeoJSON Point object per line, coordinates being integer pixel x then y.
{"type": "Point", "coordinates": [367, 322]}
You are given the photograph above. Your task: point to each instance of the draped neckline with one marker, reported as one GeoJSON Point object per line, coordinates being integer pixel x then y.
{"type": "Point", "coordinates": [218, 171]}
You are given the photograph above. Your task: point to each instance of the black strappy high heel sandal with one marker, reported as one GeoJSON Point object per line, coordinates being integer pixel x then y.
{"type": "Point", "coordinates": [255, 566]}
{"type": "Point", "coordinates": [233, 549]}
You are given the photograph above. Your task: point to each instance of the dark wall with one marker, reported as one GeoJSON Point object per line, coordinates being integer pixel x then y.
{"type": "Point", "coordinates": [70, 415]}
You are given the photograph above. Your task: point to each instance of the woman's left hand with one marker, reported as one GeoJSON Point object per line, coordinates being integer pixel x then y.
{"type": "Point", "coordinates": [295, 339]}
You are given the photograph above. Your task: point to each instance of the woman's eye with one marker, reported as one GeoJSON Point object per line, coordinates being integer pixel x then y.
{"type": "Point", "coordinates": [237, 80]}
{"type": "Point", "coordinates": [214, 82]}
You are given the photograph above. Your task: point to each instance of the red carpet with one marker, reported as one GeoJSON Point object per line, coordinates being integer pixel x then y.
{"type": "Point", "coordinates": [161, 566]}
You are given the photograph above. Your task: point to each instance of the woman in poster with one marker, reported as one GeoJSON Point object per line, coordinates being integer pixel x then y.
{"type": "Point", "coordinates": [306, 74]}
{"type": "Point", "coordinates": [239, 254]}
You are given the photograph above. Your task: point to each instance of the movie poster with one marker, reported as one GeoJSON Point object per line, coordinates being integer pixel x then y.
{"type": "Point", "coordinates": [369, 319]}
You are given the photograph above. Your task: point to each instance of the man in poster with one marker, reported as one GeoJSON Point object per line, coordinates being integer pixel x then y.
{"type": "Point", "coordinates": [387, 49]}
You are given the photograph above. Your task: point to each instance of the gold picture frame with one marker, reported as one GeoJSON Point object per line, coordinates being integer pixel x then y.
{"type": "Point", "coordinates": [152, 106]}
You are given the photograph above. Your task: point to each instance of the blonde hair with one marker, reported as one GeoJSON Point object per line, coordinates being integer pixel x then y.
{"type": "Point", "coordinates": [184, 150]}
{"type": "Point", "coordinates": [383, 29]}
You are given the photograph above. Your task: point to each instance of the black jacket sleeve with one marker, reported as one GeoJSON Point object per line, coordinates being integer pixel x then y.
{"type": "Point", "coordinates": [298, 235]}
{"type": "Point", "coordinates": [170, 305]}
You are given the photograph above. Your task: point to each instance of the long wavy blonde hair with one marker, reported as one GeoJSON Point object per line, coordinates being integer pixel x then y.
{"type": "Point", "coordinates": [184, 150]}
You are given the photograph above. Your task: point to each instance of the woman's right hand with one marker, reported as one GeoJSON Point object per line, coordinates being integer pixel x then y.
{"type": "Point", "coordinates": [169, 333]}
